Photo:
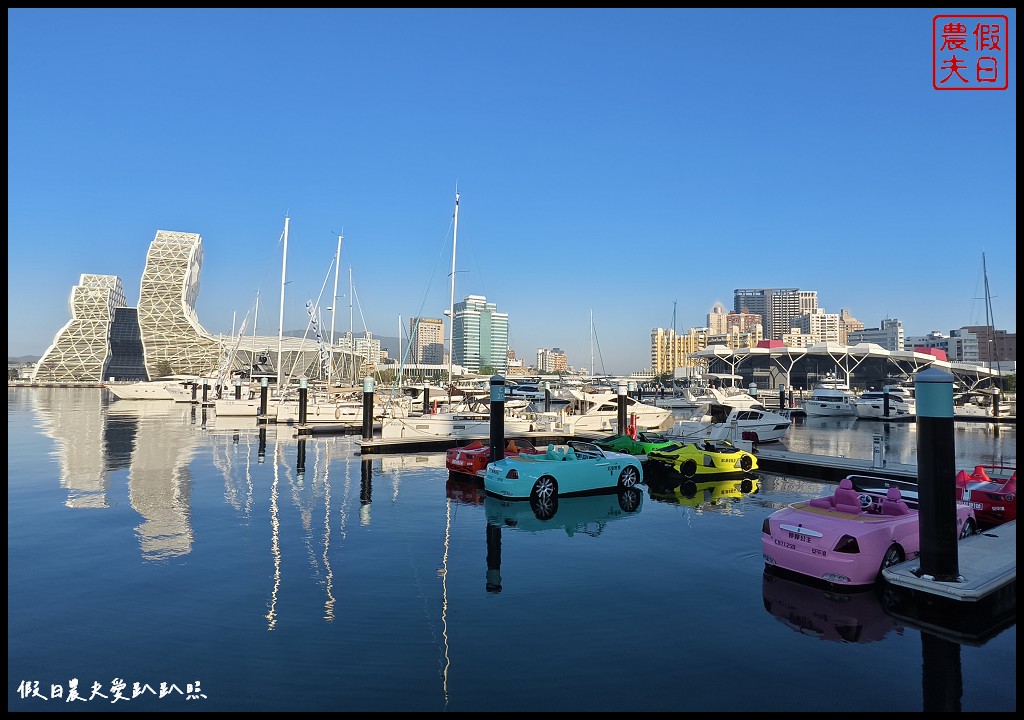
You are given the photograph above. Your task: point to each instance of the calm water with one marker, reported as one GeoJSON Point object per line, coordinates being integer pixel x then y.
{"type": "Point", "coordinates": [148, 545]}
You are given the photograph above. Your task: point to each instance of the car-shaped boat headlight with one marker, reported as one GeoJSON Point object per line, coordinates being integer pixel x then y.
{"type": "Point", "coordinates": [512, 474]}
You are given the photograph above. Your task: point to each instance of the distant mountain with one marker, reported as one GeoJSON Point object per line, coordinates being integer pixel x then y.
{"type": "Point", "coordinates": [23, 359]}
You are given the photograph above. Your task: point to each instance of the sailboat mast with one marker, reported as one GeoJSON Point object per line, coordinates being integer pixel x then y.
{"type": "Point", "coordinates": [591, 344]}
{"type": "Point", "coordinates": [280, 322]}
{"type": "Point", "coordinates": [351, 330]}
{"type": "Point", "coordinates": [255, 319]}
{"type": "Point", "coordinates": [334, 307]}
{"type": "Point", "coordinates": [673, 353]}
{"type": "Point", "coordinates": [989, 320]}
{"type": "Point", "coordinates": [451, 302]}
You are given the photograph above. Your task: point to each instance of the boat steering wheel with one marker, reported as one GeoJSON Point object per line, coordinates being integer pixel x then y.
{"type": "Point", "coordinates": [866, 501]}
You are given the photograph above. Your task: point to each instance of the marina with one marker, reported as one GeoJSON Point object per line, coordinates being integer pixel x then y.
{"type": "Point", "coordinates": [277, 571]}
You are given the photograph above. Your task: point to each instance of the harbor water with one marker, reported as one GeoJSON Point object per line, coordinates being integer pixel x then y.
{"type": "Point", "coordinates": [160, 560]}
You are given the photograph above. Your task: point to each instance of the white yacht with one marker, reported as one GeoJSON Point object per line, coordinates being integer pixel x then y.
{"type": "Point", "coordinates": [171, 387]}
{"type": "Point", "coordinates": [871, 404]}
{"type": "Point", "coordinates": [597, 413]}
{"type": "Point", "coordinates": [723, 422]}
{"type": "Point", "coordinates": [461, 425]}
{"type": "Point", "coordinates": [831, 398]}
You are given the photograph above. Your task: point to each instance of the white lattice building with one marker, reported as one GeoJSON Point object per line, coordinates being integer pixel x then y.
{"type": "Point", "coordinates": [170, 328]}
{"type": "Point", "coordinates": [81, 348]}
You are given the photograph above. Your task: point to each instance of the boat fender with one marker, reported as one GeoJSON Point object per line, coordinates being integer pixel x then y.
{"type": "Point", "coordinates": [434, 409]}
{"type": "Point", "coordinates": [337, 412]}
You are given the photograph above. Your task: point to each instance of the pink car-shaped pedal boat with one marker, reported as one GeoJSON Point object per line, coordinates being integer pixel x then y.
{"type": "Point", "coordinates": [847, 538]}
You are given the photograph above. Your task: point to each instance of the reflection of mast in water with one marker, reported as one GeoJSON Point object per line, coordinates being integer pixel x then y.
{"type": "Point", "coordinates": [329, 579]}
{"type": "Point", "coordinates": [443, 573]}
{"type": "Point", "coordinates": [275, 542]}
{"type": "Point", "coordinates": [297, 485]}
{"type": "Point", "coordinates": [238, 493]}
{"type": "Point", "coordinates": [76, 420]}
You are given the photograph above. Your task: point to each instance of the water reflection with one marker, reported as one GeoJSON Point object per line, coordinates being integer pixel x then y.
{"type": "Point", "coordinates": [294, 598]}
{"type": "Point", "coordinates": [85, 451]}
{"type": "Point", "coordinates": [835, 615]}
{"type": "Point", "coordinates": [722, 496]}
{"type": "Point", "coordinates": [151, 439]}
{"type": "Point", "coordinates": [587, 514]}
{"type": "Point", "coordinates": [825, 422]}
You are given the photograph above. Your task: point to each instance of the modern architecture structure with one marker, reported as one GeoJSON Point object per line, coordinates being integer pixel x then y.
{"type": "Point", "coordinates": [105, 339]}
{"type": "Point", "coordinates": [81, 349]}
{"type": "Point", "coordinates": [480, 335]}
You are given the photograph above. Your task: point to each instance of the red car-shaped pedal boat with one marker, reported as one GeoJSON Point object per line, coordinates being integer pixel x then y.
{"type": "Point", "coordinates": [472, 459]}
{"type": "Point", "coordinates": [991, 490]}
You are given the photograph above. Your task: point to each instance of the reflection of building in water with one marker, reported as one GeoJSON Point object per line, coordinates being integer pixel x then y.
{"type": "Point", "coordinates": [160, 480]}
{"type": "Point", "coordinates": [74, 419]}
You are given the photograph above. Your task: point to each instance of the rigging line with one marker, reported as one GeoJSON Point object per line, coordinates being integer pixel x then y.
{"type": "Point", "coordinates": [597, 341]}
{"type": "Point", "coordinates": [423, 301]}
{"type": "Point", "coordinates": [309, 324]}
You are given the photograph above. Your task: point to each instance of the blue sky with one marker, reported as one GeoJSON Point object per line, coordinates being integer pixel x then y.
{"type": "Point", "coordinates": [632, 166]}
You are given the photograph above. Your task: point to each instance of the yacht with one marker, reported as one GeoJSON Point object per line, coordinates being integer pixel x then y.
{"type": "Point", "coordinates": [524, 391]}
{"type": "Point", "coordinates": [872, 403]}
{"type": "Point", "coordinates": [723, 422]}
{"type": "Point", "coordinates": [597, 413]}
{"type": "Point", "coordinates": [831, 398]}
{"type": "Point", "coordinates": [171, 387]}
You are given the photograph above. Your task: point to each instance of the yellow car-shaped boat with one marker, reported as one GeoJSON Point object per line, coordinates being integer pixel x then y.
{"type": "Point", "coordinates": [708, 460]}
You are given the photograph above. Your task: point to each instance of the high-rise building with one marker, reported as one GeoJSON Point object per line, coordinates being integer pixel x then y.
{"type": "Point", "coordinates": [427, 341]}
{"type": "Point", "coordinates": [551, 361]}
{"type": "Point", "coordinates": [823, 327]}
{"type": "Point", "coordinates": [888, 335]}
{"type": "Point", "coordinates": [778, 307]}
{"type": "Point", "coordinates": [480, 335]}
{"type": "Point", "coordinates": [670, 351]}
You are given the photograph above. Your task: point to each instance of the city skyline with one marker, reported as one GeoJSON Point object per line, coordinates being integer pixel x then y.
{"type": "Point", "coordinates": [611, 176]}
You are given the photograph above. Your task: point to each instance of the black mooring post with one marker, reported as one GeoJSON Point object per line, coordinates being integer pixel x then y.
{"type": "Point", "coordinates": [936, 470]}
{"type": "Point", "coordinates": [620, 416]}
{"type": "Point", "coordinates": [367, 408]}
{"type": "Point", "coordinates": [263, 399]}
{"type": "Point", "coordinates": [497, 417]}
{"type": "Point", "coordinates": [493, 583]}
{"type": "Point", "coordinates": [303, 399]}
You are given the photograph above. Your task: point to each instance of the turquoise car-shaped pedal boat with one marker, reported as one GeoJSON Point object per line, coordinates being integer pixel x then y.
{"type": "Point", "coordinates": [575, 468]}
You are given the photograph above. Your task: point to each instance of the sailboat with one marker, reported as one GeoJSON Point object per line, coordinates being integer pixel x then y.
{"type": "Point", "coordinates": [453, 421]}
{"type": "Point", "coordinates": [981, 401]}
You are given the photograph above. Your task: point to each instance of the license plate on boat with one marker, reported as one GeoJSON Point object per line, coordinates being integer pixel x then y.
{"type": "Point", "coordinates": [797, 532]}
